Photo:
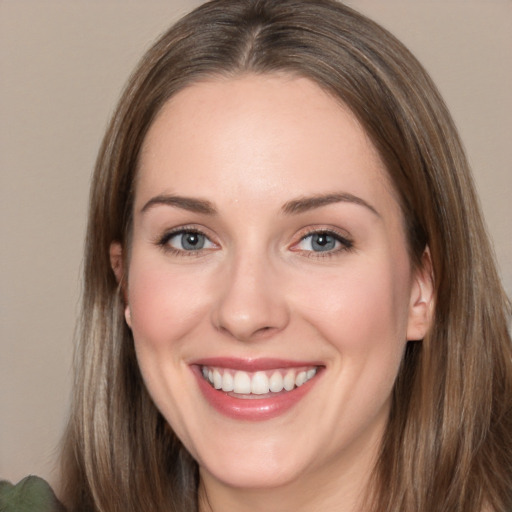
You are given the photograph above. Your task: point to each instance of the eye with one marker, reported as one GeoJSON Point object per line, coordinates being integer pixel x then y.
{"type": "Point", "coordinates": [323, 241]}
{"type": "Point", "coordinates": [187, 241]}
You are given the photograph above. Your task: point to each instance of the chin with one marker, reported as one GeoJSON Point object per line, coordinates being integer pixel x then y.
{"type": "Point", "coordinates": [251, 476]}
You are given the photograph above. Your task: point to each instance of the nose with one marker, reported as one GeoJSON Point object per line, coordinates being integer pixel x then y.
{"type": "Point", "coordinates": [251, 304]}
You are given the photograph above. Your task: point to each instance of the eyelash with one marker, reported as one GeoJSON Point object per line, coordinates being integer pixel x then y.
{"type": "Point", "coordinates": [346, 243]}
{"type": "Point", "coordinates": [163, 242]}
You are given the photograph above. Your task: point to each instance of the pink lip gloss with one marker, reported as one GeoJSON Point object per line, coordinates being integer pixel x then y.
{"type": "Point", "coordinates": [253, 408]}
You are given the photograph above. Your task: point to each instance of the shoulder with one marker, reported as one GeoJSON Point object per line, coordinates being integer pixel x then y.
{"type": "Point", "coordinates": [29, 495]}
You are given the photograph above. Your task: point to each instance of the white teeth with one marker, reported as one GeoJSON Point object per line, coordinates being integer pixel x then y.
{"type": "Point", "coordinates": [227, 382]}
{"type": "Point", "coordinates": [242, 383]}
{"type": "Point", "coordinates": [217, 379]}
{"type": "Point", "coordinates": [289, 380]}
{"type": "Point", "coordinates": [276, 382]}
{"type": "Point", "coordinates": [258, 383]}
{"type": "Point", "coordinates": [300, 379]}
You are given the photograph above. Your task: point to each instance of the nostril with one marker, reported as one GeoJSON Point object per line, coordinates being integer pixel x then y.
{"type": "Point", "coordinates": [264, 331]}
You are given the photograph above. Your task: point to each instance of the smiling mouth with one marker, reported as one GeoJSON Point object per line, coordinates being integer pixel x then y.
{"type": "Point", "coordinates": [259, 384]}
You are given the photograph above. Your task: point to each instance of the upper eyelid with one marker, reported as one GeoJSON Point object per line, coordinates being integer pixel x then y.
{"type": "Point", "coordinates": [341, 234]}
{"type": "Point", "coordinates": [186, 229]}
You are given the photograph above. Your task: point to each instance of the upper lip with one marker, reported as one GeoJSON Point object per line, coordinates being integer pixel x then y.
{"type": "Point", "coordinates": [253, 365]}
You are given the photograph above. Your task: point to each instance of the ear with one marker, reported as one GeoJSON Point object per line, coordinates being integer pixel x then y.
{"type": "Point", "coordinates": [421, 306]}
{"type": "Point", "coordinates": [116, 262]}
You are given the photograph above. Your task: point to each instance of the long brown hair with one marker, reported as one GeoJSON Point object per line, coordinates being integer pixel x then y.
{"type": "Point", "coordinates": [448, 444]}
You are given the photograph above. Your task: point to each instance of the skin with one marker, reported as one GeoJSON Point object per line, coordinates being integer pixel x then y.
{"type": "Point", "coordinates": [260, 288]}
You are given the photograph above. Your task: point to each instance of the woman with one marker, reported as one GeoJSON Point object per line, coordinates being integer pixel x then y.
{"type": "Point", "coordinates": [290, 301]}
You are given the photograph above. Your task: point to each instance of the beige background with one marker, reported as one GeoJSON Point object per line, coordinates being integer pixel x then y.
{"type": "Point", "coordinates": [62, 66]}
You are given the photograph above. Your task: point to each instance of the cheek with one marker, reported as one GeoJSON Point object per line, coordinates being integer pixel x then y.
{"type": "Point", "coordinates": [361, 308]}
{"type": "Point", "coordinates": [165, 305]}
{"type": "Point", "coordinates": [362, 315]}
{"type": "Point", "coordinates": [166, 309]}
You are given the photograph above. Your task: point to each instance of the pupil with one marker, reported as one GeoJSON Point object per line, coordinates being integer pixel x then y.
{"type": "Point", "coordinates": [193, 241]}
{"type": "Point", "coordinates": [323, 242]}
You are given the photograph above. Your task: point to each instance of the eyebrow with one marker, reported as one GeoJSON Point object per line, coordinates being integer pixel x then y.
{"type": "Point", "coordinates": [186, 203]}
{"type": "Point", "coordinates": [295, 206]}
{"type": "Point", "coordinates": [305, 204]}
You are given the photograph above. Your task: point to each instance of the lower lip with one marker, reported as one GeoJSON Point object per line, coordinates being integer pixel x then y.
{"type": "Point", "coordinates": [251, 409]}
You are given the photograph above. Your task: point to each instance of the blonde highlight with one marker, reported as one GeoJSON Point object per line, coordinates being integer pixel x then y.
{"type": "Point", "coordinates": [448, 445]}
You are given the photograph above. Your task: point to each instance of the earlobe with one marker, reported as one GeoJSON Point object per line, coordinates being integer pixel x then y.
{"type": "Point", "coordinates": [128, 316]}
{"type": "Point", "coordinates": [116, 260]}
{"type": "Point", "coordinates": [421, 307]}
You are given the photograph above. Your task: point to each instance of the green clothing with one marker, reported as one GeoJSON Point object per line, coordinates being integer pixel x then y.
{"type": "Point", "coordinates": [32, 494]}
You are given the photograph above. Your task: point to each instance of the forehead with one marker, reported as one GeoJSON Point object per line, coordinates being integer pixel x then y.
{"type": "Point", "coordinates": [253, 134]}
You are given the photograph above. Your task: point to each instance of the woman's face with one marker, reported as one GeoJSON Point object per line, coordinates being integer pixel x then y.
{"type": "Point", "coordinates": [270, 293]}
